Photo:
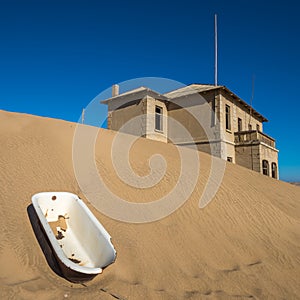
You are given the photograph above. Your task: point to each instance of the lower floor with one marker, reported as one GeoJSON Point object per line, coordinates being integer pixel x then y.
{"type": "Point", "coordinates": [254, 155]}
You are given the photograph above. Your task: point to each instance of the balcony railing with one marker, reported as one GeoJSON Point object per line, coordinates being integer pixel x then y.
{"type": "Point", "coordinates": [245, 137]}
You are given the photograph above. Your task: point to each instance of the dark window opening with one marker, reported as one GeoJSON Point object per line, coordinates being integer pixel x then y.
{"type": "Point", "coordinates": [274, 170]}
{"type": "Point", "coordinates": [240, 128]}
{"type": "Point", "coordinates": [249, 127]}
{"type": "Point", "coordinates": [265, 167]}
{"type": "Point", "coordinates": [158, 118]}
{"type": "Point", "coordinates": [257, 127]}
{"type": "Point", "coordinates": [228, 123]}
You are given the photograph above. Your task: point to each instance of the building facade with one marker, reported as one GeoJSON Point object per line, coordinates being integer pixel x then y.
{"type": "Point", "coordinates": [211, 117]}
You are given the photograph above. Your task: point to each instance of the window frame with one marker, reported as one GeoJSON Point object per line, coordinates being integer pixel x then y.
{"type": "Point", "coordinates": [274, 170]}
{"type": "Point", "coordinates": [265, 168]}
{"type": "Point", "coordinates": [227, 117]}
{"type": "Point", "coordinates": [240, 124]}
{"type": "Point", "coordinates": [158, 126]}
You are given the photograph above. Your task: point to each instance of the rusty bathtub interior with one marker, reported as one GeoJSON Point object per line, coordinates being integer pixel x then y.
{"type": "Point", "coordinates": [80, 243]}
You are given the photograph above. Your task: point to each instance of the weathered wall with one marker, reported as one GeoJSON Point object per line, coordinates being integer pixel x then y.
{"type": "Point", "coordinates": [127, 117]}
{"type": "Point", "coordinates": [248, 156]}
{"type": "Point", "coordinates": [271, 155]}
{"type": "Point", "coordinates": [214, 148]}
{"type": "Point", "coordinates": [193, 115]}
{"type": "Point", "coordinates": [137, 117]}
{"type": "Point", "coordinates": [236, 111]}
{"type": "Point", "coordinates": [230, 151]}
{"type": "Point", "coordinates": [251, 156]}
{"type": "Point", "coordinates": [239, 112]}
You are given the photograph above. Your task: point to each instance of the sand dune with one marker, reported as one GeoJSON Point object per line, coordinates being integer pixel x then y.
{"type": "Point", "coordinates": [244, 245]}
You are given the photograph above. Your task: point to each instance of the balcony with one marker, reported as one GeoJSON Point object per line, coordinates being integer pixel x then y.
{"type": "Point", "coordinates": [252, 136]}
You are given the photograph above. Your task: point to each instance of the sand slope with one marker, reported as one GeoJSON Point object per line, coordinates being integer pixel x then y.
{"type": "Point", "coordinates": [244, 245]}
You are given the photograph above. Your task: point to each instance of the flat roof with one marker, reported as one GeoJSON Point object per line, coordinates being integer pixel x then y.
{"type": "Point", "coordinates": [137, 94]}
{"type": "Point", "coordinates": [190, 89]}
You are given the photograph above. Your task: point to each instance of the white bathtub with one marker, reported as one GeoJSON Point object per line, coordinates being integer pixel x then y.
{"type": "Point", "coordinates": [81, 244]}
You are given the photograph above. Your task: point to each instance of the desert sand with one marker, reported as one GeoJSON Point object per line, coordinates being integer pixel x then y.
{"type": "Point", "coordinates": [244, 245]}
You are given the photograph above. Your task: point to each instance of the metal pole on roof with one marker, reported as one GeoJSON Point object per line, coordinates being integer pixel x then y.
{"type": "Point", "coordinates": [216, 50]}
{"type": "Point", "coordinates": [251, 100]}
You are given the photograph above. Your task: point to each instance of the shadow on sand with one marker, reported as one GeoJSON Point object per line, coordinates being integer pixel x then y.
{"type": "Point", "coordinates": [43, 241]}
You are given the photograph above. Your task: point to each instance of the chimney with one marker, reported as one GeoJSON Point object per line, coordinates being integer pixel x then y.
{"type": "Point", "coordinates": [115, 90]}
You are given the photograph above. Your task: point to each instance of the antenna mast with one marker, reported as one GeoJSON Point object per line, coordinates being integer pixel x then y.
{"type": "Point", "coordinates": [252, 97]}
{"type": "Point", "coordinates": [216, 50]}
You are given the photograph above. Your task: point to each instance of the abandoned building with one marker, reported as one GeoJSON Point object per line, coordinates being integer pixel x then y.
{"type": "Point", "coordinates": [237, 128]}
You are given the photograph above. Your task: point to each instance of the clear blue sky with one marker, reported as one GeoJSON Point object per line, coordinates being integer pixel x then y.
{"type": "Point", "coordinates": [56, 56]}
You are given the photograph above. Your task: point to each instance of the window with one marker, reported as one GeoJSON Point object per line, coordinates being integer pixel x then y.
{"type": "Point", "coordinates": [274, 170]}
{"type": "Point", "coordinates": [265, 167]}
{"type": "Point", "coordinates": [257, 127]}
{"type": "Point", "coordinates": [229, 158]}
{"type": "Point", "coordinates": [158, 118]}
{"type": "Point", "coordinates": [240, 128]}
{"type": "Point", "coordinates": [228, 123]}
{"type": "Point", "coordinates": [249, 127]}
